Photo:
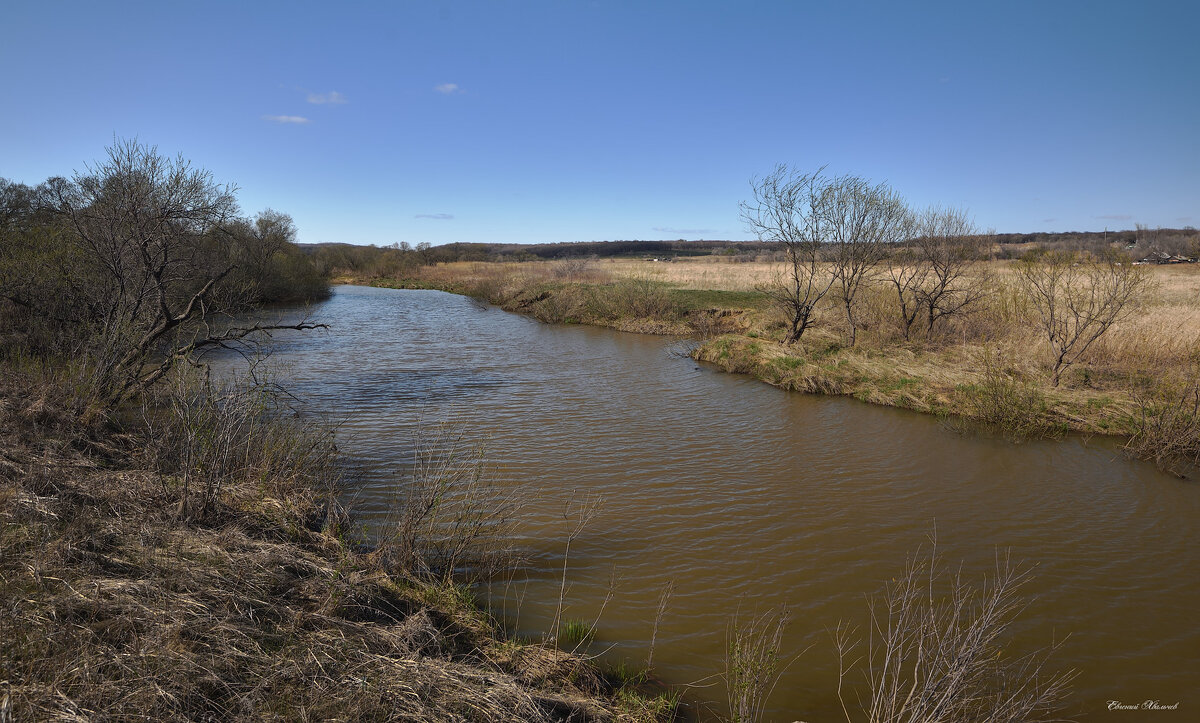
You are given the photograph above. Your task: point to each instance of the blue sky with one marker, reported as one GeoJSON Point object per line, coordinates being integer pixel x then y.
{"type": "Point", "coordinates": [575, 121]}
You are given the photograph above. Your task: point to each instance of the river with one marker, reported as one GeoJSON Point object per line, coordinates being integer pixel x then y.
{"type": "Point", "coordinates": [746, 497]}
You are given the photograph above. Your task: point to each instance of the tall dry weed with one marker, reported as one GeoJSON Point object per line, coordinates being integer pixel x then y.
{"type": "Point", "coordinates": [451, 518]}
{"type": "Point", "coordinates": [205, 437]}
{"type": "Point", "coordinates": [938, 651]}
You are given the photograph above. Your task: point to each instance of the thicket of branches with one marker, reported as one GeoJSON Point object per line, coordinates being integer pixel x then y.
{"type": "Point", "coordinates": [120, 268]}
{"type": "Point", "coordinates": [939, 649]}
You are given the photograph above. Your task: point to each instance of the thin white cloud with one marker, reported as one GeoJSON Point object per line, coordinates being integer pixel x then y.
{"type": "Point", "coordinates": [331, 98]}
{"type": "Point", "coordinates": [672, 229]}
{"type": "Point", "coordinates": [447, 89]}
{"type": "Point", "coordinates": [435, 216]}
{"type": "Point", "coordinates": [285, 118]}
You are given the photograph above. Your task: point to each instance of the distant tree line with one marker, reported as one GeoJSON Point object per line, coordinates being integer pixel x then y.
{"type": "Point", "coordinates": [400, 259]}
{"type": "Point", "coordinates": [1140, 241]}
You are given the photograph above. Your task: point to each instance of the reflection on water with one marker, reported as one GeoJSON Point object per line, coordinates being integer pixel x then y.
{"type": "Point", "coordinates": [742, 494]}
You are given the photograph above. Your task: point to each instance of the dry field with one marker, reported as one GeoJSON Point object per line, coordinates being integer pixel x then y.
{"type": "Point", "coordinates": [1164, 328]}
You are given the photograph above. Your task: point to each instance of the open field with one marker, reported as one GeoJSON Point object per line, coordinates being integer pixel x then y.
{"type": "Point", "coordinates": [992, 363]}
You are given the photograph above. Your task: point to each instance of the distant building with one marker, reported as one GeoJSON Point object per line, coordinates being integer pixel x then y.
{"type": "Point", "coordinates": [1162, 257]}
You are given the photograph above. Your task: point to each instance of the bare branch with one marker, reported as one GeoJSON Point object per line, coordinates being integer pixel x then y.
{"type": "Point", "coordinates": [1078, 298]}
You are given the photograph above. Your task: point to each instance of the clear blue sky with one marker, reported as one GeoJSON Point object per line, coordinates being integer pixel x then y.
{"type": "Point", "coordinates": [568, 121]}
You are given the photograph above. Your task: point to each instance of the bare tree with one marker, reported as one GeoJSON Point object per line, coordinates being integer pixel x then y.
{"type": "Point", "coordinates": [860, 219]}
{"type": "Point", "coordinates": [1078, 298]}
{"type": "Point", "coordinates": [937, 652]}
{"type": "Point", "coordinates": [789, 208]}
{"type": "Point", "coordinates": [929, 274]}
{"type": "Point", "coordinates": [144, 226]}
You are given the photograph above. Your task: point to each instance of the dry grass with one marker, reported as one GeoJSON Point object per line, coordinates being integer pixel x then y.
{"type": "Point", "coordinates": [114, 604]}
{"type": "Point", "coordinates": [698, 273]}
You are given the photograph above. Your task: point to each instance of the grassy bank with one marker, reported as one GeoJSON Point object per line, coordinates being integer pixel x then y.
{"type": "Point", "coordinates": [160, 570]}
{"type": "Point", "coordinates": [990, 365]}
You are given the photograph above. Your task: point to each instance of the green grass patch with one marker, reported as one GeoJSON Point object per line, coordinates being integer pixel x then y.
{"type": "Point", "coordinates": [900, 384]}
{"type": "Point", "coordinates": [575, 633]}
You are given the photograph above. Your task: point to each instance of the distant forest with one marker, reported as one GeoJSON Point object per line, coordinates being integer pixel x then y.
{"type": "Point", "coordinates": [397, 258]}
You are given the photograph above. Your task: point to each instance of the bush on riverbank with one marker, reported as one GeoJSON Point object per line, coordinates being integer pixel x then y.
{"type": "Point", "coordinates": [122, 268]}
{"type": "Point", "coordinates": [1167, 425]}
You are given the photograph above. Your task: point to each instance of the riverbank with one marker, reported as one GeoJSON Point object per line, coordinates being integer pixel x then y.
{"type": "Point", "coordinates": [134, 590]}
{"type": "Point", "coordinates": [990, 367]}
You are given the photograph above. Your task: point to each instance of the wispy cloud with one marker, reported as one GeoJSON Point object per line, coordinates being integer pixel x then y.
{"type": "Point", "coordinates": [1049, 220]}
{"type": "Point", "coordinates": [1183, 219]}
{"type": "Point", "coordinates": [435, 216]}
{"type": "Point", "coordinates": [1116, 217]}
{"type": "Point", "coordinates": [331, 98]}
{"type": "Point", "coordinates": [447, 89]}
{"type": "Point", "coordinates": [285, 118]}
{"type": "Point", "coordinates": [672, 229]}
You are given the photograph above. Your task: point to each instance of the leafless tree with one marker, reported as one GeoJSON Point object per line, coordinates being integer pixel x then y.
{"type": "Point", "coordinates": [789, 208]}
{"type": "Point", "coordinates": [1078, 298]}
{"type": "Point", "coordinates": [145, 226]}
{"type": "Point", "coordinates": [937, 652]}
{"type": "Point", "coordinates": [861, 219]}
{"type": "Point", "coordinates": [929, 273]}
{"type": "Point", "coordinates": [268, 234]}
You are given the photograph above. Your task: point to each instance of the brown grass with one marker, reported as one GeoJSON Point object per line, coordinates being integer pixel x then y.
{"type": "Point", "coordinates": [117, 602]}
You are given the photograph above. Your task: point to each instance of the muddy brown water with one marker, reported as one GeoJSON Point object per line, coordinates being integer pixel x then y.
{"type": "Point", "coordinates": [748, 497]}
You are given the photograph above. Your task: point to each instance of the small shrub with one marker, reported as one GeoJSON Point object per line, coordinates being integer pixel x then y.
{"type": "Point", "coordinates": [208, 438]}
{"type": "Point", "coordinates": [637, 298]}
{"type": "Point", "coordinates": [559, 306]}
{"type": "Point", "coordinates": [572, 269]}
{"type": "Point", "coordinates": [1168, 423]}
{"type": "Point", "coordinates": [451, 519]}
{"type": "Point", "coordinates": [490, 287]}
{"type": "Point", "coordinates": [1006, 403]}
{"type": "Point", "coordinates": [753, 657]}
{"type": "Point", "coordinates": [939, 650]}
